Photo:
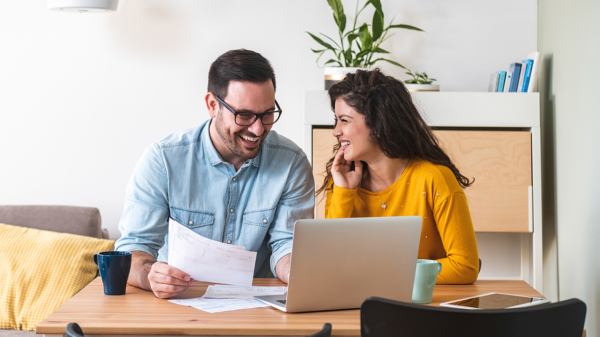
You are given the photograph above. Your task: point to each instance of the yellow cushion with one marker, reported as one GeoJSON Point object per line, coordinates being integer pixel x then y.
{"type": "Point", "coordinates": [40, 270]}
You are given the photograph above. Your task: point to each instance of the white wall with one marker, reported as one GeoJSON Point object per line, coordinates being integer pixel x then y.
{"type": "Point", "coordinates": [569, 38]}
{"type": "Point", "coordinates": [82, 95]}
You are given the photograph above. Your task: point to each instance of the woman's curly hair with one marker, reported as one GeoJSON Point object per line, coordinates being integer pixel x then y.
{"type": "Point", "coordinates": [395, 123]}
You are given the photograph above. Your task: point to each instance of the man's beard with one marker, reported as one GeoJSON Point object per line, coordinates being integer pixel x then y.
{"type": "Point", "coordinates": [234, 145]}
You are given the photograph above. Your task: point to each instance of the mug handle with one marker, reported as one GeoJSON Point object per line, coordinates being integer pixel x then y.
{"type": "Point", "coordinates": [439, 267]}
{"type": "Point", "coordinates": [96, 259]}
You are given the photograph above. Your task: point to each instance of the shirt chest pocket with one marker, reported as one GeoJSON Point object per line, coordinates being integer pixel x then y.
{"type": "Point", "coordinates": [256, 224]}
{"type": "Point", "coordinates": [200, 222]}
{"type": "Point", "coordinates": [262, 218]}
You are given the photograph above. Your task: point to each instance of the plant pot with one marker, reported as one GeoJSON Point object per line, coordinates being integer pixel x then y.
{"type": "Point", "coordinates": [422, 87]}
{"type": "Point", "coordinates": [334, 75]}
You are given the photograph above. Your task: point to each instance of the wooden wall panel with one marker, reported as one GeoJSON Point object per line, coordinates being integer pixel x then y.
{"type": "Point", "coordinates": [500, 162]}
{"type": "Point", "coordinates": [322, 147]}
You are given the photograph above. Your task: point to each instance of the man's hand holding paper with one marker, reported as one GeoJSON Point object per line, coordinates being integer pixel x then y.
{"type": "Point", "coordinates": [208, 260]}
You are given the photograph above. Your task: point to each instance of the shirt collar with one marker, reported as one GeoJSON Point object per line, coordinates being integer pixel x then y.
{"type": "Point", "coordinates": [213, 155]}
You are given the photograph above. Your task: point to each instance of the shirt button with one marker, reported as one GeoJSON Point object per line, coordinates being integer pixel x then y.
{"type": "Point", "coordinates": [229, 241]}
{"type": "Point", "coordinates": [190, 222]}
{"type": "Point", "coordinates": [233, 178]}
{"type": "Point", "coordinates": [231, 210]}
{"type": "Point", "coordinates": [265, 221]}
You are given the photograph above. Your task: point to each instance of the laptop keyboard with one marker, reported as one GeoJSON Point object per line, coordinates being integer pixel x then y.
{"type": "Point", "coordinates": [281, 301]}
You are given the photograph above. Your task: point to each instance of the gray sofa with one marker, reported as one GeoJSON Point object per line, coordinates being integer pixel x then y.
{"type": "Point", "coordinates": [63, 219]}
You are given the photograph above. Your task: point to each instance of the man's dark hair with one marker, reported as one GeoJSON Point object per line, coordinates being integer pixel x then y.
{"type": "Point", "coordinates": [238, 65]}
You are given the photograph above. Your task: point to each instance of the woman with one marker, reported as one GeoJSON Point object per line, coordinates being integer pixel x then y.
{"type": "Point", "coordinates": [389, 163]}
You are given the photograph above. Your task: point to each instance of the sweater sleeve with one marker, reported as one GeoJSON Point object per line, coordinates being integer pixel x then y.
{"type": "Point", "coordinates": [453, 219]}
{"type": "Point", "coordinates": [339, 204]}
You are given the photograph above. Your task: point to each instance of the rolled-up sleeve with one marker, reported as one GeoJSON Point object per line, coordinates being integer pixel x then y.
{"type": "Point", "coordinates": [297, 202]}
{"type": "Point", "coordinates": [144, 222]}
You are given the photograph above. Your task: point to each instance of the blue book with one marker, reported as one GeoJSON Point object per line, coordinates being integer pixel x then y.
{"type": "Point", "coordinates": [522, 76]}
{"type": "Point", "coordinates": [515, 71]}
{"type": "Point", "coordinates": [527, 75]}
{"type": "Point", "coordinates": [501, 78]}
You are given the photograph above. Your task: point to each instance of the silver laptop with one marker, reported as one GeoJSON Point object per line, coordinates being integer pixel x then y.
{"type": "Point", "coordinates": [338, 263]}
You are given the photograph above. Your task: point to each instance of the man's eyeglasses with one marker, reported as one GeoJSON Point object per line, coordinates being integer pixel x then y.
{"type": "Point", "coordinates": [248, 118]}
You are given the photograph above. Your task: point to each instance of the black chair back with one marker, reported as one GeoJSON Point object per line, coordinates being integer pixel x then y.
{"type": "Point", "coordinates": [73, 330]}
{"type": "Point", "coordinates": [325, 332]}
{"type": "Point", "coordinates": [381, 318]}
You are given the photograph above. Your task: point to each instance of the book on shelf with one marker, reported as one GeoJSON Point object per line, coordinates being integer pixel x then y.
{"type": "Point", "coordinates": [515, 71]}
{"type": "Point", "coordinates": [535, 56]}
{"type": "Point", "coordinates": [527, 75]}
{"type": "Point", "coordinates": [493, 82]}
{"type": "Point", "coordinates": [501, 79]}
{"type": "Point", "coordinates": [522, 76]}
{"type": "Point", "coordinates": [507, 81]}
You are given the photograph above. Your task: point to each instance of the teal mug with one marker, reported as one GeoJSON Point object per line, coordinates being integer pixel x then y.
{"type": "Point", "coordinates": [425, 277]}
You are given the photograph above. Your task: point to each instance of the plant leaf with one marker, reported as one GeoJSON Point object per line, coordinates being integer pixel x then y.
{"type": "Point", "coordinates": [351, 38]}
{"type": "Point", "coordinates": [348, 57]}
{"type": "Point", "coordinates": [377, 25]}
{"type": "Point", "coordinates": [351, 31]}
{"type": "Point", "coordinates": [379, 50]}
{"type": "Point", "coordinates": [365, 38]}
{"type": "Point", "coordinates": [332, 40]}
{"type": "Point", "coordinates": [323, 43]}
{"type": "Point", "coordinates": [377, 5]}
{"type": "Point", "coordinates": [390, 61]}
{"type": "Point", "coordinates": [338, 13]}
{"type": "Point", "coordinates": [318, 51]}
{"type": "Point", "coordinates": [405, 27]}
{"type": "Point", "coordinates": [333, 61]}
{"type": "Point", "coordinates": [363, 53]}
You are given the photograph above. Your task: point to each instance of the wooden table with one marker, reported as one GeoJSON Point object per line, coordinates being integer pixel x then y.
{"type": "Point", "coordinates": [140, 313]}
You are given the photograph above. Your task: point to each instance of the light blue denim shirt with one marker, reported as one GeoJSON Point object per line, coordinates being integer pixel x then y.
{"type": "Point", "coordinates": [183, 177]}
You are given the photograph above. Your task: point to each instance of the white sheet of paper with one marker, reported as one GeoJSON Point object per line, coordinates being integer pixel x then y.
{"type": "Point", "coordinates": [226, 291]}
{"type": "Point", "coordinates": [213, 305]}
{"type": "Point", "coordinates": [208, 260]}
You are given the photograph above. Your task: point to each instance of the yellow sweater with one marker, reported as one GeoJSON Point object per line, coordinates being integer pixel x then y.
{"type": "Point", "coordinates": [432, 192]}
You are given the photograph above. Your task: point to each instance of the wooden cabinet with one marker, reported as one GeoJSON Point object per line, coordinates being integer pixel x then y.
{"type": "Point", "coordinates": [322, 147]}
{"type": "Point", "coordinates": [500, 162]}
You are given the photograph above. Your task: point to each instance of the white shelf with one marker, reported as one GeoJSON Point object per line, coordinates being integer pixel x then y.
{"type": "Point", "coordinates": [450, 109]}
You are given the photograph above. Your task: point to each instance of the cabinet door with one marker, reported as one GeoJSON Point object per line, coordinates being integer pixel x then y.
{"type": "Point", "coordinates": [500, 162]}
{"type": "Point", "coordinates": [322, 147]}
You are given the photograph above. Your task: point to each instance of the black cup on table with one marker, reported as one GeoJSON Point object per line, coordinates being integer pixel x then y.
{"type": "Point", "coordinates": [114, 268]}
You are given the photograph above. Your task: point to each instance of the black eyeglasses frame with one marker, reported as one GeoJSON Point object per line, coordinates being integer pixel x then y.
{"type": "Point", "coordinates": [256, 116]}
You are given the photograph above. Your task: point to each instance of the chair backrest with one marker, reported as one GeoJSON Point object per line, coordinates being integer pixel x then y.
{"type": "Point", "coordinates": [63, 219]}
{"type": "Point", "coordinates": [325, 332]}
{"type": "Point", "coordinates": [381, 317]}
{"type": "Point", "coordinates": [73, 330]}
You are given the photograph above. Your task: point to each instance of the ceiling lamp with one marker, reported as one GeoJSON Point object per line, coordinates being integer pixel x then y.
{"type": "Point", "coordinates": [83, 6]}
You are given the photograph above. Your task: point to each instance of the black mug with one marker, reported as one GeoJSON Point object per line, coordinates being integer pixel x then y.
{"type": "Point", "coordinates": [114, 268]}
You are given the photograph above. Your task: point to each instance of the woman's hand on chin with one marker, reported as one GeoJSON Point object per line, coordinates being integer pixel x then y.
{"type": "Point", "coordinates": [341, 173]}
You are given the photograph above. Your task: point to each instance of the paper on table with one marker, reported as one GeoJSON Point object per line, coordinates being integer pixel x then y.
{"type": "Point", "coordinates": [213, 305]}
{"type": "Point", "coordinates": [225, 291]}
{"type": "Point", "coordinates": [208, 260]}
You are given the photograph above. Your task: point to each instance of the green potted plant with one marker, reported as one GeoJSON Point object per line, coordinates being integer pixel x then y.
{"type": "Point", "coordinates": [420, 82]}
{"type": "Point", "coordinates": [356, 48]}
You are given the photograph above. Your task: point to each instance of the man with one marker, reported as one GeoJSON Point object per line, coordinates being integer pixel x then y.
{"type": "Point", "coordinates": [232, 180]}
